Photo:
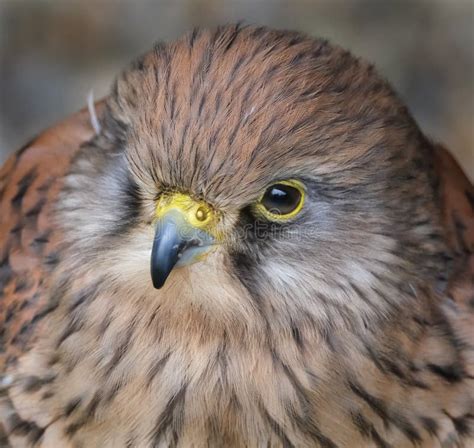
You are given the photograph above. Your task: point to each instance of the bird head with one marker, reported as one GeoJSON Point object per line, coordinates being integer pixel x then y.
{"type": "Point", "coordinates": [263, 162]}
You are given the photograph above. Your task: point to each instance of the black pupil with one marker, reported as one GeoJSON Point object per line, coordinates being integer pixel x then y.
{"type": "Point", "coordinates": [281, 199]}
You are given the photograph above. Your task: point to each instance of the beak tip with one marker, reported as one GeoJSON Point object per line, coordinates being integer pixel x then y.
{"type": "Point", "coordinates": [158, 280]}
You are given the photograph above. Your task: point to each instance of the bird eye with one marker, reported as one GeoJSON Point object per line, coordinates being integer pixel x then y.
{"type": "Point", "coordinates": [282, 200]}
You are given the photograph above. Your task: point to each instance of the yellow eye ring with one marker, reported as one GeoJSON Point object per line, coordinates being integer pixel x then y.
{"type": "Point", "coordinates": [281, 201]}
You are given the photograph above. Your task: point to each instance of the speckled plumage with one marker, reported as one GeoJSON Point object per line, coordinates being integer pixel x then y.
{"type": "Point", "coordinates": [350, 326]}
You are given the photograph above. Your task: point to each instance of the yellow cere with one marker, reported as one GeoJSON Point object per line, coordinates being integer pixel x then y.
{"type": "Point", "coordinates": [260, 208]}
{"type": "Point", "coordinates": [197, 213]}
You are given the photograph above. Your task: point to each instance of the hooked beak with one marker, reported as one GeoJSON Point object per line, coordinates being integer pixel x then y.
{"type": "Point", "coordinates": [182, 235]}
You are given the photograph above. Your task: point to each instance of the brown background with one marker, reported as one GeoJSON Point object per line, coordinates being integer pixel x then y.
{"type": "Point", "coordinates": [52, 53]}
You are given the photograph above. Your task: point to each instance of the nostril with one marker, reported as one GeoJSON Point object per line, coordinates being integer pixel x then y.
{"type": "Point", "coordinates": [201, 214]}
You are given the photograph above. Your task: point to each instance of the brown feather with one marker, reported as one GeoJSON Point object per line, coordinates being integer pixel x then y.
{"type": "Point", "coordinates": [29, 184]}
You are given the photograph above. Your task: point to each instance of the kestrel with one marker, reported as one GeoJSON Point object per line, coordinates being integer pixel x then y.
{"type": "Point", "coordinates": [248, 243]}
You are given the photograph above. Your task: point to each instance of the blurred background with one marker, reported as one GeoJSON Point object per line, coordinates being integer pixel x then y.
{"type": "Point", "coordinates": [53, 52]}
